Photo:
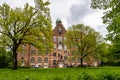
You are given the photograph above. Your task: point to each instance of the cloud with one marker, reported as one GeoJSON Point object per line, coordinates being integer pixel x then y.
{"type": "Point", "coordinates": [79, 11]}
{"type": "Point", "coordinates": [17, 3]}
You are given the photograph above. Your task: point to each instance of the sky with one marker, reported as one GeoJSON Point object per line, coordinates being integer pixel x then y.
{"type": "Point", "coordinates": [70, 12]}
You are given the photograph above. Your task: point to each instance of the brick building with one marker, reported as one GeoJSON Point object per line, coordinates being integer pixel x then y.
{"type": "Point", "coordinates": [31, 56]}
{"type": "Point", "coordinates": [59, 57]}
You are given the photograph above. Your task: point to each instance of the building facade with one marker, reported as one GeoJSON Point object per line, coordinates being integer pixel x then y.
{"type": "Point", "coordinates": [31, 56]}
{"type": "Point", "coordinates": [59, 57]}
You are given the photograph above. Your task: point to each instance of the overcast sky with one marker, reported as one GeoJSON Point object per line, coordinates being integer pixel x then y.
{"type": "Point", "coordinates": [70, 12]}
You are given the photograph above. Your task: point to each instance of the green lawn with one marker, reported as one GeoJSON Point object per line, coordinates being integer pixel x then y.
{"type": "Point", "coordinates": [92, 73]}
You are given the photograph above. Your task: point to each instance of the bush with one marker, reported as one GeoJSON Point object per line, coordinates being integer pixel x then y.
{"type": "Point", "coordinates": [108, 76]}
{"type": "Point", "coordinates": [24, 67]}
{"type": "Point", "coordinates": [84, 76]}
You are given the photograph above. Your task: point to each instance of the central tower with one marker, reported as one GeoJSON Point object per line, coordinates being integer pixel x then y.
{"type": "Point", "coordinates": [58, 40]}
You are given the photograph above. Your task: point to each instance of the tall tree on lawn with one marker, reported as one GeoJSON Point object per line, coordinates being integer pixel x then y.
{"type": "Point", "coordinates": [28, 25]}
{"type": "Point", "coordinates": [83, 42]}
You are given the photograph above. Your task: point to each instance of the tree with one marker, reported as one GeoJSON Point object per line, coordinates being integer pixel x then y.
{"type": "Point", "coordinates": [112, 19]}
{"type": "Point", "coordinates": [28, 25]}
{"type": "Point", "coordinates": [4, 57]}
{"type": "Point", "coordinates": [104, 53]}
{"type": "Point", "coordinates": [83, 41]}
{"type": "Point", "coordinates": [113, 55]}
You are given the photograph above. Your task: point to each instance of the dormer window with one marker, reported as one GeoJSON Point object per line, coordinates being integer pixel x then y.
{"type": "Point", "coordinates": [59, 31]}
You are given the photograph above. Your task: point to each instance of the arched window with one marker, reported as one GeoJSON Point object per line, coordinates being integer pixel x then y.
{"type": "Point", "coordinates": [54, 62]}
{"type": "Point", "coordinates": [32, 60]}
{"type": "Point", "coordinates": [46, 60]}
{"type": "Point", "coordinates": [39, 60]}
{"type": "Point", "coordinates": [54, 54]}
{"type": "Point", "coordinates": [22, 62]}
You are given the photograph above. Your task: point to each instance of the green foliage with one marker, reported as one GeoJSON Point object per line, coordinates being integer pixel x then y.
{"type": "Point", "coordinates": [108, 76]}
{"type": "Point", "coordinates": [83, 42]}
{"type": "Point", "coordinates": [112, 19]}
{"type": "Point", "coordinates": [5, 57]}
{"type": "Point", "coordinates": [104, 52]}
{"type": "Point", "coordinates": [28, 25]}
{"type": "Point", "coordinates": [84, 76]}
{"type": "Point", "coordinates": [113, 56]}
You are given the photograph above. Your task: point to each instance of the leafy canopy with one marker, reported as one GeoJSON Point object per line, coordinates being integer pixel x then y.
{"type": "Point", "coordinates": [83, 41]}
{"type": "Point", "coordinates": [112, 19]}
{"type": "Point", "coordinates": [28, 25]}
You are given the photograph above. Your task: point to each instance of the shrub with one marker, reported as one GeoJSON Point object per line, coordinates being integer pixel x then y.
{"type": "Point", "coordinates": [108, 76]}
{"type": "Point", "coordinates": [84, 76]}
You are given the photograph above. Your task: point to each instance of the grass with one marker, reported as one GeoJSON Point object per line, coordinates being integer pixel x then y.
{"type": "Point", "coordinates": [92, 73]}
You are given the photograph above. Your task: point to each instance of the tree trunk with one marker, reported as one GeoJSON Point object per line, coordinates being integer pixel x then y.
{"type": "Point", "coordinates": [81, 62]}
{"type": "Point", "coordinates": [14, 59]}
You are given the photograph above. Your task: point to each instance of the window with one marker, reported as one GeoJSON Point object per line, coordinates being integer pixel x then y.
{"type": "Point", "coordinates": [46, 60]}
{"type": "Point", "coordinates": [39, 60]}
{"type": "Point", "coordinates": [54, 38]}
{"type": "Point", "coordinates": [61, 57]}
{"type": "Point", "coordinates": [58, 55]}
{"type": "Point", "coordinates": [22, 62]}
{"type": "Point", "coordinates": [32, 60]}
{"type": "Point", "coordinates": [59, 31]}
{"type": "Point", "coordinates": [22, 55]}
{"type": "Point", "coordinates": [65, 48]}
{"type": "Point", "coordinates": [59, 39]}
{"type": "Point", "coordinates": [65, 57]}
{"type": "Point", "coordinates": [54, 54]}
{"type": "Point", "coordinates": [33, 51]}
{"type": "Point", "coordinates": [65, 51]}
{"type": "Point", "coordinates": [54, 62]}
{"type": "Point", "coordinates": [60, 46]}
{"type": "Point", "coordinates": [65, 54]}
